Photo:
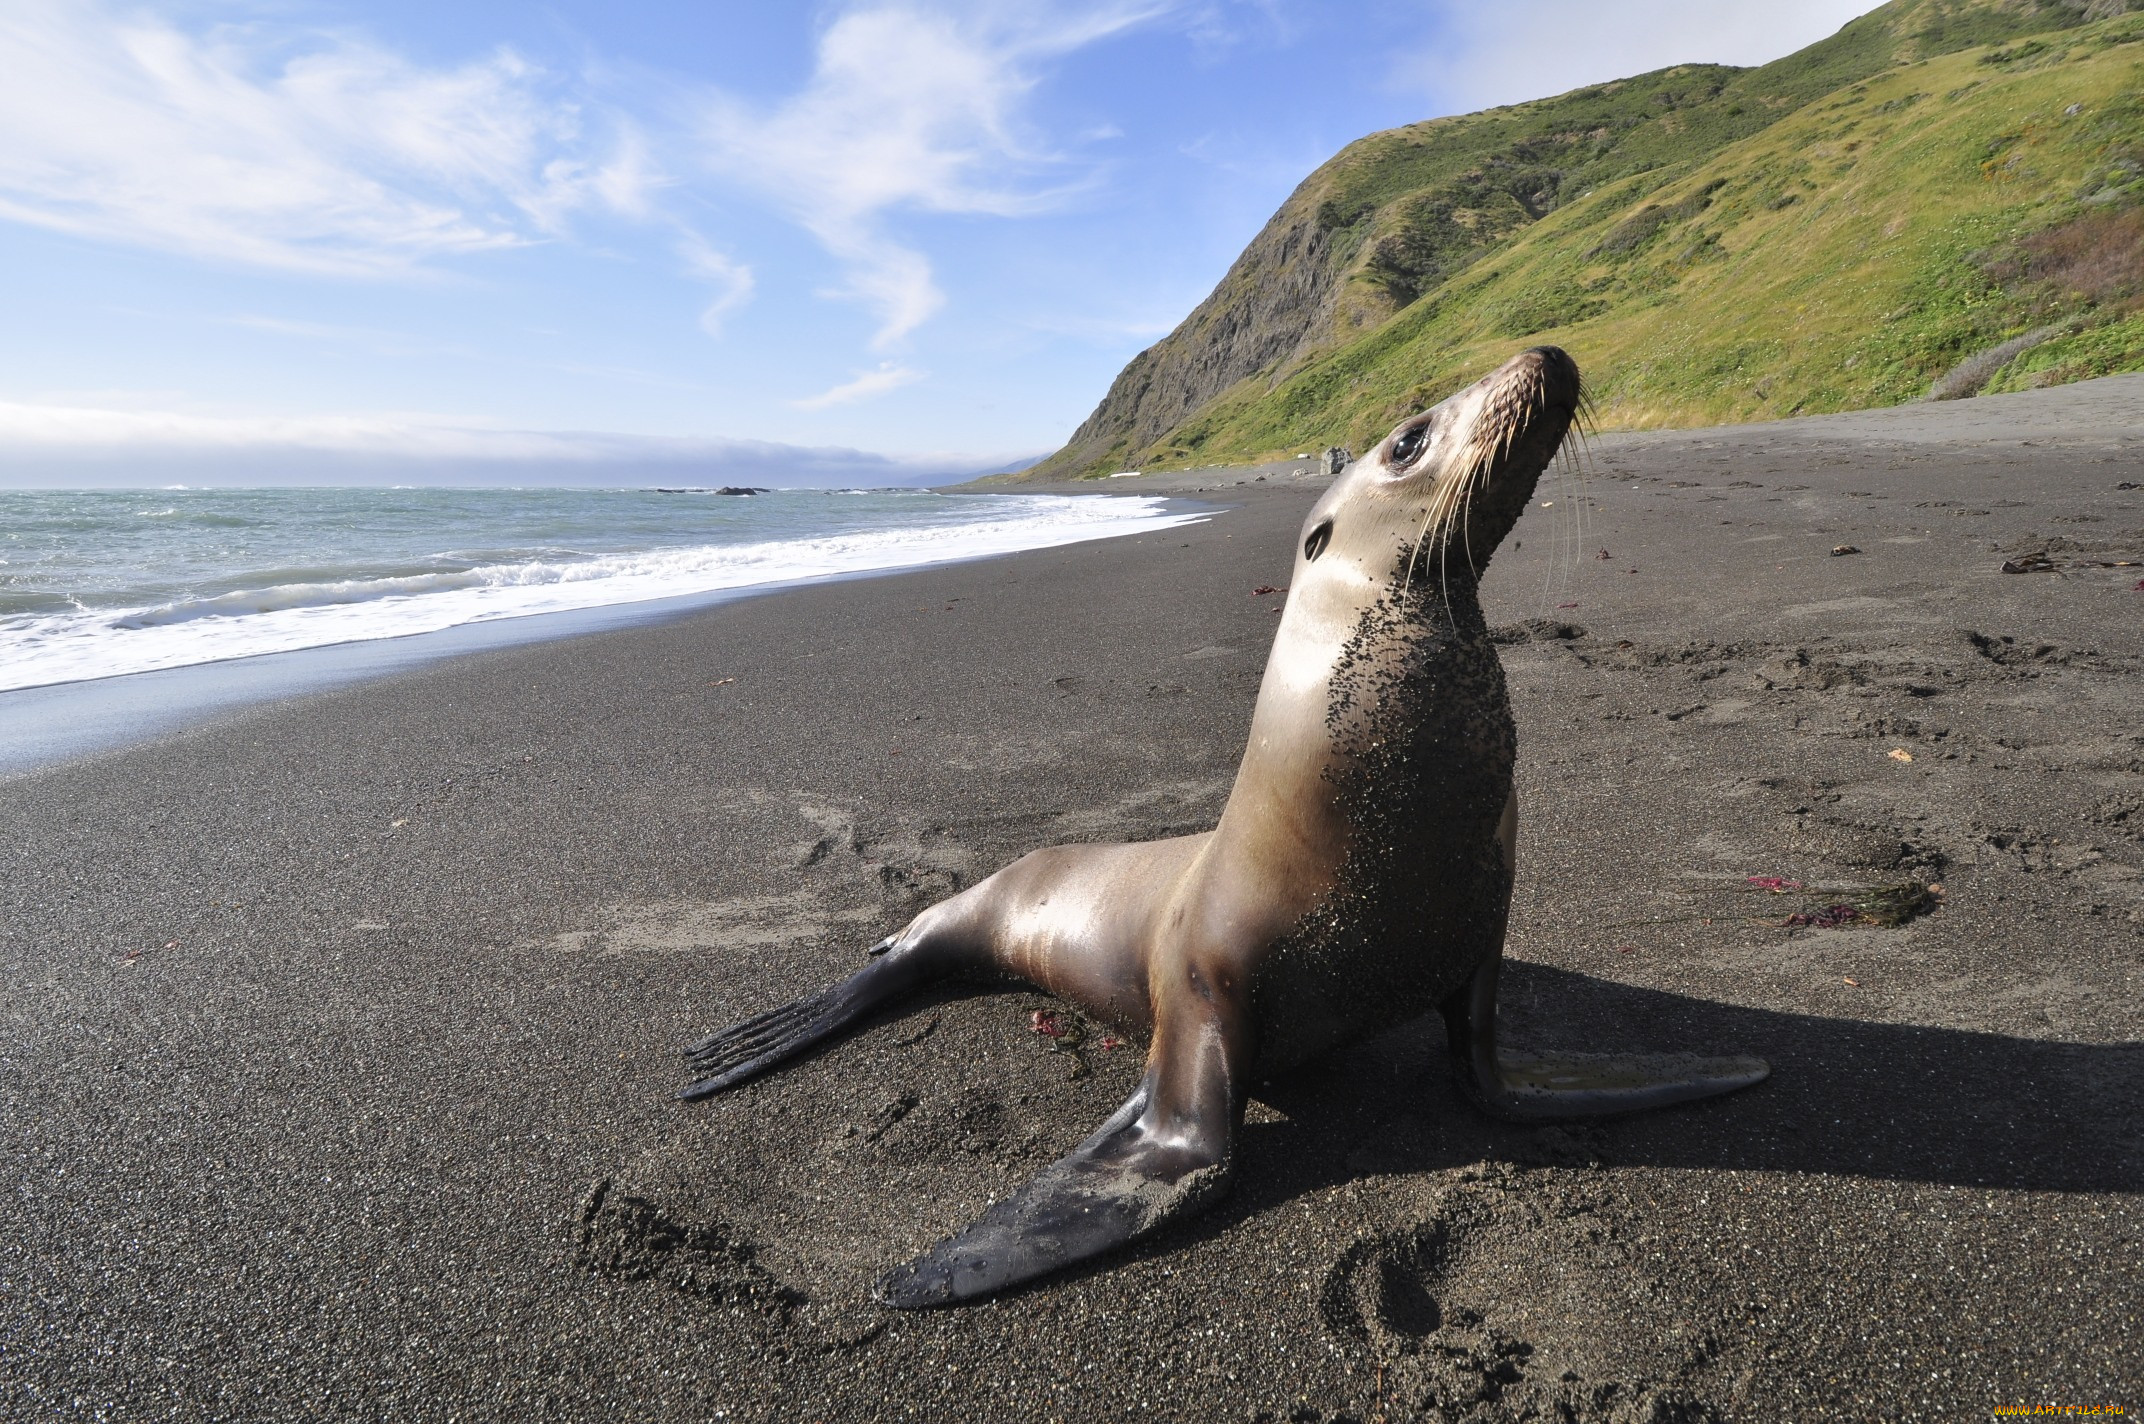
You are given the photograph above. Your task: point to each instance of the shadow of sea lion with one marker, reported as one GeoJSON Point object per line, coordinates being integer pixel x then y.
{"type": "Point", "coordinates": [1847, 1097]}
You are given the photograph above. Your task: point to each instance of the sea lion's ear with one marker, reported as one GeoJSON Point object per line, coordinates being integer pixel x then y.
{"type": "Point", "coordinates": [1314, 543]}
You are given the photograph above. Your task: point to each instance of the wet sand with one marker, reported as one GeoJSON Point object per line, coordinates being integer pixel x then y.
{"type": "Point", "coordinates": [337, 1035]}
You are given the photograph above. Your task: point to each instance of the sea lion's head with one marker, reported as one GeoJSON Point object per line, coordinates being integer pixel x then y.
{"type": "Point", "coordinates": [1438, 494]}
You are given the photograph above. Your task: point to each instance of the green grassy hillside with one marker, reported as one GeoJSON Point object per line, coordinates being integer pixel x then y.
{"type": "Point", "coordinates": [1710, 244]}
{"type": "Point", "coordinates": [1411, 207]}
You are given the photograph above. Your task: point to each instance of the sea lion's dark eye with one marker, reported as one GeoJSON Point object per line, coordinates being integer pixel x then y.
{"type": "Point", "coordinates": [1319, 538]}
{"type": "Point", "coordinates": [1408, 446]}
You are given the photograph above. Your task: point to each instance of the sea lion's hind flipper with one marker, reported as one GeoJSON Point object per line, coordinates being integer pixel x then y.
{"type": "Point", "coordinates": [1129, 1178]}
{"type": "Point", "coordinates": [1533, 1086]}
{"type": "Point", "coordinates": [1524, 1086]}
{"type": "Point", "coordinates": [745, 1050]}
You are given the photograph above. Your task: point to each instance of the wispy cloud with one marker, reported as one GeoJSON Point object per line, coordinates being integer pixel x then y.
{"type": "Point", "coordinates": [1217, 27]}
{"type": "Point", "coordinates": [733, 281]}
{"type": "Point", "coordinates": [266, 139]}
{"type": "Point", "coordinates": [361, 338]}
{"type": "Point", "coordinates": [397, 344]}
{"type": "Point", "coordinates": [311, 330]}
{"type": "Point", "coordinates": [307, 151]}
{"type": "Point", "coordinates": [887, 377]}
{"type": "Point", "coordinates": [910, 107]}
{"type": "Point", "coordinates": [75, 444]}
{"type": "Point", "coordinates": [1523, 49]}
{"type": "Point", "coordinates": [270, 144]}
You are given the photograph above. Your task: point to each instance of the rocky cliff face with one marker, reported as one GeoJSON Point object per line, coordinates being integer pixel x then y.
{"type": "Point", "coordinates": [1395, 216]}
{"type": "Point", "coordinates": [1275, 296]}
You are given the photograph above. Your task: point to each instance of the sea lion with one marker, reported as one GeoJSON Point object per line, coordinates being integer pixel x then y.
{"type": "Point", "coordinates": [1359, 877]}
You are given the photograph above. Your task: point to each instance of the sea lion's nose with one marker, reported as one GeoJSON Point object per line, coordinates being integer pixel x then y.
{"type": "Point", "coordinates": [1559, 373]}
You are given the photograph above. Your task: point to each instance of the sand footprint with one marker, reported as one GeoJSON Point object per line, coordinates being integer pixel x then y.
{"type": "Point", "coordinates": [1445, 1312]}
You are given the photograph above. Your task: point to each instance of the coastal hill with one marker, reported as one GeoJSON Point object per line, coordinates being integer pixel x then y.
{"type": "Point", "coordinates": [1946, 195]}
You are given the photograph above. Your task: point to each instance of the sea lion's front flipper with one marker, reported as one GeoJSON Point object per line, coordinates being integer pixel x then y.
{"type": "Point", "coordinates": [1163, 1156]}
{"type": "Point", "coordinates": [1522, 1086]}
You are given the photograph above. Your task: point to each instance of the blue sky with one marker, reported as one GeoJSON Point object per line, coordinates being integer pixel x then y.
{"type": "Point", "coordinates": [396, 240]}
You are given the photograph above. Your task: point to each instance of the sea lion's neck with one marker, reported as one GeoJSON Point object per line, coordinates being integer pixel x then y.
{"type": "Point", "coordinates": [1399, 657]}
{"type": "Point", "coordinates": [1346, 660]}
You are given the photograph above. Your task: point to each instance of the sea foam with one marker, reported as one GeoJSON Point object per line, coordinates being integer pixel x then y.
{"type": "Point", "coordinates": [89, 642]}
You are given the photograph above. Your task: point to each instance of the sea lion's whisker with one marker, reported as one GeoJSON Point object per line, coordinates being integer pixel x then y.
{"type": "Point", "coordinates": [1407, 579]}
{"type": "Point", "coordinates": [1553, 562]}
{"type": "Point", "coordinates": [1456, 509]}
{"type": "Point", "coordinates": [1444, 539]}
{"type": "Point", "coordinates": [1444, 507]}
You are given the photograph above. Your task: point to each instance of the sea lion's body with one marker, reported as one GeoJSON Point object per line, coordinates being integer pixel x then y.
{"type": "Point", "coordinates": [1359, 877]}
{"type": "Point", "coordinates": [1305, 890]}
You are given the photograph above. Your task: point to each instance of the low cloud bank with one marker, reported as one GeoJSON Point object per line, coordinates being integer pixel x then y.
{"type": "Point", "coordinates": [47, 446]}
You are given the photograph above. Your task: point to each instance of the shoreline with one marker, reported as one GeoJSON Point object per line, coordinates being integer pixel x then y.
{"type": "Point", "coordinates": [340, 1034]}
{"type": "Point", "coordinates": [49, 724]}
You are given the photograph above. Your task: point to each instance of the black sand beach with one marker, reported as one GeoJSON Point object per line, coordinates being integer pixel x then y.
{"type": "Point", "coordinates": [338, 1035]}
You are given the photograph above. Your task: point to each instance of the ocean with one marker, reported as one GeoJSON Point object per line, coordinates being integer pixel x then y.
{"type": "Point", "coordinates": [102, 583]}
